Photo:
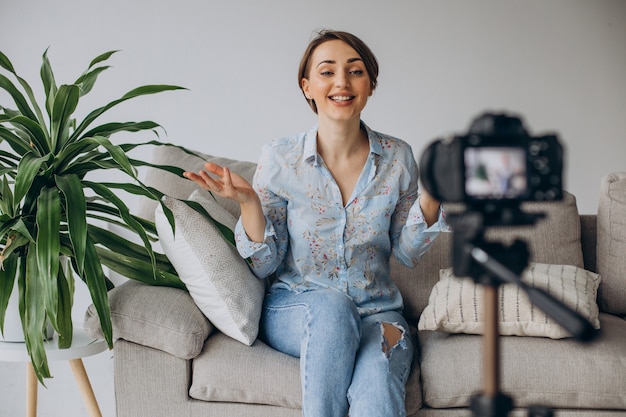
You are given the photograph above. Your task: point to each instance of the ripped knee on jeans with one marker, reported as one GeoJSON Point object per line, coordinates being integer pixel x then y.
{"type": "Point", "coordinates": [393, 335]}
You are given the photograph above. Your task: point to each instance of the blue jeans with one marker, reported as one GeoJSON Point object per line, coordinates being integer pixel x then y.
{"type": "Point", "coordinates": [347, 362]}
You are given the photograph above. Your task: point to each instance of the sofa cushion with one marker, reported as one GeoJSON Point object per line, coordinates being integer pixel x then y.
{"type": "Point", "coordinates": [173, 324]}
{"type": "Point", "coordinates": [457, 304]}
{"type": "Point", "coordinates": [227, 371]}
{"type": "Point", "coordinates": [553, 240]}
{"type": "Point", "coordinates": [217, 277]}
{"type": "Point", "coordinates": [561, 373]}
{"type": "Point", "coordinates": [611, 258]}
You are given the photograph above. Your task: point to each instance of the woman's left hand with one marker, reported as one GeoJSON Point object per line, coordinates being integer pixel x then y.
{"type": "Point", "coordinates": [430, 207]}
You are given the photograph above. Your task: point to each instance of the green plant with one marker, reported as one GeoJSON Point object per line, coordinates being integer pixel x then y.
{"type": "Point", "coordinates": [50, 210]}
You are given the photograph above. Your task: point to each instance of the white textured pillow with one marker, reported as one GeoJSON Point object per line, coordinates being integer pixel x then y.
{"type": "Point", "coordinates": [218, 279]}
{"type": "Point", "coordinates": [456, 304]}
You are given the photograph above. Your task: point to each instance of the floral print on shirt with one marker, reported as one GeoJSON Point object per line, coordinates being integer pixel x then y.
{"type": "Point", "coordinates": [313, 241]}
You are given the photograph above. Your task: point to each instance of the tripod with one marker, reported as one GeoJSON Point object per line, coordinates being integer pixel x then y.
{"type": "Point", "coordinates": [492, 264]}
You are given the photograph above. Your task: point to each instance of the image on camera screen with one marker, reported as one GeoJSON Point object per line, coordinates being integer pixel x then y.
{"type": "Point", "coordinates": [495, 172]}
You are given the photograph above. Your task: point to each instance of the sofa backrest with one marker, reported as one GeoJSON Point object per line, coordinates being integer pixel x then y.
{"type": "Point", "coordinates": [555, 239]}
{"type": "Point", "coordinates": [182, 188]}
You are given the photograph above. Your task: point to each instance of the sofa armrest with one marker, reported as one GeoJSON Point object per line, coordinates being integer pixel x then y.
{"type": "Point", "coordinates": [159, 317]}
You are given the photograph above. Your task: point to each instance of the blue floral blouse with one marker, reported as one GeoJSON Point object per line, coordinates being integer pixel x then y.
{"type": "Point", "coordinates": [313, 241]}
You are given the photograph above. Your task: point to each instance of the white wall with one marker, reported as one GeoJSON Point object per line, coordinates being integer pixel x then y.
{"type": "Point", "coordinates": [559, 63]}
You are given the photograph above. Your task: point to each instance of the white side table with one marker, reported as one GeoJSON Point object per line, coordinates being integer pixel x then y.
{"type": "Point", "coordinates": [82, 346]}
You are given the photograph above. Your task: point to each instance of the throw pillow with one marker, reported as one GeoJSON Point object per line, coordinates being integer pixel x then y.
{"type": "Point", "coordinates": [218, 279]}
{"type": "Point", "coordinates": [456, 304]}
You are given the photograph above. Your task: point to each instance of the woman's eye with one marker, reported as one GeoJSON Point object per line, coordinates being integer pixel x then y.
{"type": "Point", "coordinates": [326, 73]}
{"type": "Point", "coordinates": [356, 72]}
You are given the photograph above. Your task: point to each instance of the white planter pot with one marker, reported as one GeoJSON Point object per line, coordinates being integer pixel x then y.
{"type": "Point", "coordinates": [13, 325]}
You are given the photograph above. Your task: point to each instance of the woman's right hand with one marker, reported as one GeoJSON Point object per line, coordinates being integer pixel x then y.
{"type": "Point", "coordinates": [225, 183]}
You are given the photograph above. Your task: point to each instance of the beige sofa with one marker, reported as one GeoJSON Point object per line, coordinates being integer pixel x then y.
{"type": "Point", "coordinates": [170, 360]}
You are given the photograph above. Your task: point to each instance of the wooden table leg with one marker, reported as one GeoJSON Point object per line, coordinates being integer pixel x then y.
{"type": "Point", "coordinates": [31, 391]}
{"type": "Point", "coordinates": [85, 387]}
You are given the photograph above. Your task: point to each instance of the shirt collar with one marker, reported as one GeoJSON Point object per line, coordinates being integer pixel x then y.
{"type": "Point", "coordinates": [310, 144]}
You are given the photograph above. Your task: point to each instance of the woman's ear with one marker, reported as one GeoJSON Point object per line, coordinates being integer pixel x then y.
{"type": "Point", "coordinates": [305, 88]}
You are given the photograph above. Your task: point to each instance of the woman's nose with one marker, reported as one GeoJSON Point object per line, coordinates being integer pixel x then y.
{"type": "Point", "coordinates": [342, 80]}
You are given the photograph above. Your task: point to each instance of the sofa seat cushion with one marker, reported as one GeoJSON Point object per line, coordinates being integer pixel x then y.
{"type": "Point", "coordinates": [228, 371]}
{"type": "Point", "coordinates": [555, 373]}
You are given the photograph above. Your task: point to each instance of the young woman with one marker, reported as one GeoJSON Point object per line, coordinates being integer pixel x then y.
{"type": "Point", "coordinates": [326, 210]}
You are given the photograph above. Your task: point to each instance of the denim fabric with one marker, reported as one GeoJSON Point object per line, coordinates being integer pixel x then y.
{"type": "Point", "coordinates": [345, 364]}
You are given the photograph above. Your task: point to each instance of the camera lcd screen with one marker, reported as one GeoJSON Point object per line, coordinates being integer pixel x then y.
{"type": "Point", "coordinates": [495, 173]}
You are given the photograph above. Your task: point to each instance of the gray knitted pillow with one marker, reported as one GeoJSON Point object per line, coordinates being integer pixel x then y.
{"type": "Point", "coordinates": [218, 279]}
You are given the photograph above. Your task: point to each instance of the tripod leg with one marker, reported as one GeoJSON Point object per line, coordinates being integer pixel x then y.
{"type": "Point", "coordinates": [492, 402]}
{"type": "Point", "coordinates": [491, 347]}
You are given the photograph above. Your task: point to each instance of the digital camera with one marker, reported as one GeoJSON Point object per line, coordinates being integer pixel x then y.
{"type": "Point", "coordinates": [496, 163]}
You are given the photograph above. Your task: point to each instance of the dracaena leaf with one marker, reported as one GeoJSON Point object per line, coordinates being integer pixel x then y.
{"type": "Point", "coordinates": [8, 273]}
{"type": "Point", "coordinates": [18, 97]}
{"type": "Point", "coordinates": [141, 91]}
{"type": "Point", "coordinates": [33, 314]}
{"type": "Point", "coordinates": [118, 155]}
{"type": "Point", "coordinates": [48, 247]}
{"type": "Point", "coordinates": [6, 64]}
{"type": "Point", "coordinates": [38, 138]}
{"type": "Point", "coordinates": [75, 209]}
{"type": "Point", "coordinates": [86, 81]}
{"type": "Point", "coordinates": [17, 143]}
{"type": "Point", "coordinates": [139, 269]}
{"type": "Point", "coordinates": [65, 290]}
{"type": "Point", "coordinates": [96, 283]}
{"type": "Point", "coordinates": [124, 212]}
{"type": "Point", "coordinates": [102, 57]}
{"type": "Point", "coordinates": [63, 107]}
{"type": "Point", "coordinates": [108, 129]}
{"type": "Point", "coordinates": [49, 83]}
{"type": "Point", "coordinates": [27, 169]}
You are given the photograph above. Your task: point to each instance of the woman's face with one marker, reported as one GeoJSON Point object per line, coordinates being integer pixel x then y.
{"type": "Point", "coordinates": [337, 81]}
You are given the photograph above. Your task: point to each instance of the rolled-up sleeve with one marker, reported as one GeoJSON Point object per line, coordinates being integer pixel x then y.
{"type": "Point", "coordinates": [266, 256]}
{"type": "Point", "coordinates": [261, 254]}
{"type": "Point", "coordinates": [417, 237]}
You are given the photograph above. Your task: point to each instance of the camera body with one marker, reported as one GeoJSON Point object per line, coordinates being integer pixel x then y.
{"type": "Point", "coordinates": [497, 163]}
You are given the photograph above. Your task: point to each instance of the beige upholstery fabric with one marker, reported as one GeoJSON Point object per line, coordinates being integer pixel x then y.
{"type": "Point", "coordinates": [556, 373]}
{"type": "Point", "coordinates": [164, 318]}
{"type": "Point", "coordinates": [457, 304]}
{"type": "Point", "coordinates": [611, 254]}
{"type": "Point", "coordinates": [228, 371]}
{"type": "Point", "coordinates": [553, 240]}
{"type": "Point", "coordinates": [181, 188]}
